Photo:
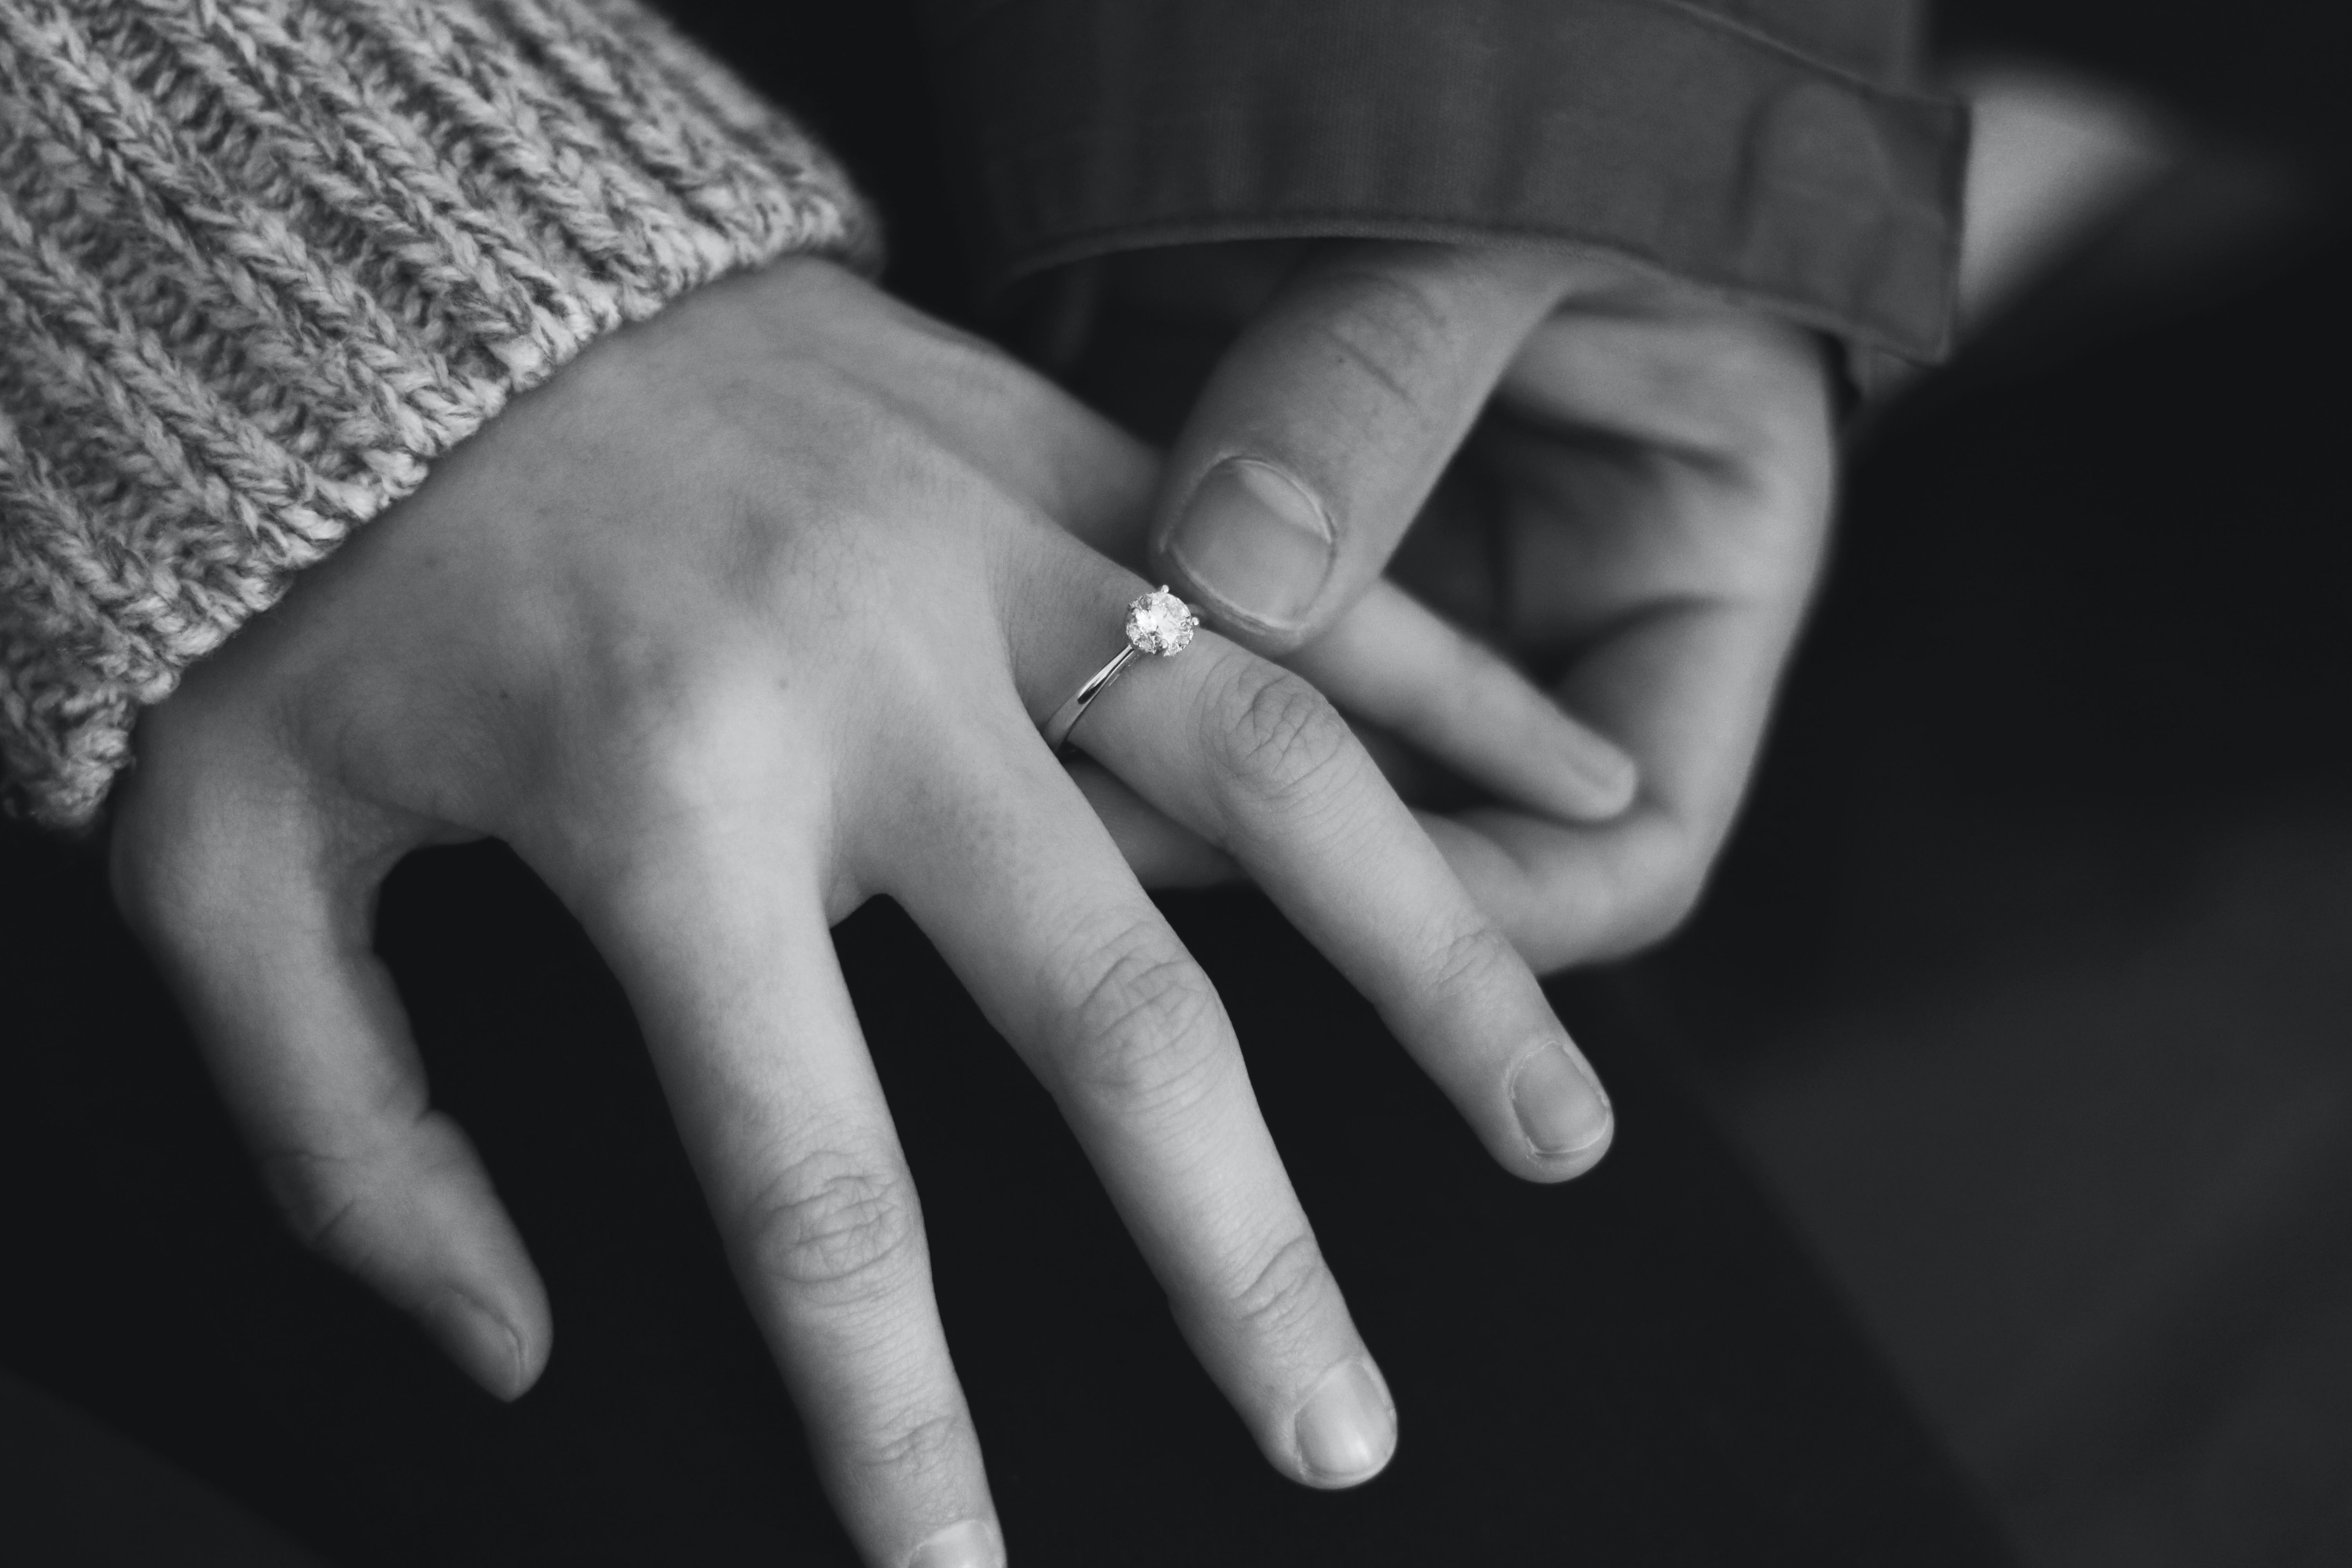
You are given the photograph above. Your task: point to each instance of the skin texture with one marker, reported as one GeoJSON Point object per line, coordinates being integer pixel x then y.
{"type": "Point", "coordinates": [748, 616]}
{"type": "Point", "coordinates": [1575, 515]}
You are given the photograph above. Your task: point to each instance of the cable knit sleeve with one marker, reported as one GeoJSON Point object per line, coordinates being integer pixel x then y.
{"type": "Point", "coordinates": [262, 261]}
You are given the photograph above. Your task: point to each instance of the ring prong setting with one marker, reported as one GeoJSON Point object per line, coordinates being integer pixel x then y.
{"type": "Point", "coordinates": [1160, 623]}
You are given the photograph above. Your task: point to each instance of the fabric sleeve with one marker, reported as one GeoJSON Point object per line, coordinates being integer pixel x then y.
{"type": "Point", "coordinates": [1767, 149]}
{"type": "Point", "coordinates": [263, 261]}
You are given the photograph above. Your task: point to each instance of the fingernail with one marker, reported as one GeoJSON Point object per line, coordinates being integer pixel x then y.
{"type": "Point", "coordinates": [1254, 540]}
{"type": "Point", "coordinates": [975, 1543]}
{"type": "Point", "coordinates": [1606, 775]}
{"type": "Point", "coordinates": [1561, 1107]}
{"type": "Point", "coordinates": [481, 1343]}
{"type": "Point", "coordinates": [1346, 1429]}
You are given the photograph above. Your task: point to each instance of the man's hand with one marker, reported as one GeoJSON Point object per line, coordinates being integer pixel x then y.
{"type": "Point", "coordinates": [1637, 519]}
{"type": "Point", "coordinates": [748, 616]}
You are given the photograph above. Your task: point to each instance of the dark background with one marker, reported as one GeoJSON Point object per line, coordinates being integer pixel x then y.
{"type": "Point", "coordinates": [1984, 1166]}
{"type": "Point", "coordinates": [2027, 982]}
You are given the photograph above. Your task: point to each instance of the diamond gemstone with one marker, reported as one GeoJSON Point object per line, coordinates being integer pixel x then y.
{"type": "Point", "coordinates": [1159, 622]}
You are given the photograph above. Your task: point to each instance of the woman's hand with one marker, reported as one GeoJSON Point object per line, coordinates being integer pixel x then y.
{"type": "Point", "coordinates": [1636, 521]}
{"type": "Point", "coordinates": [749, 615]}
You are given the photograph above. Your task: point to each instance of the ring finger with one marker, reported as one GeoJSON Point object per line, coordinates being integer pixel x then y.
{"type": "Point", "coordinates": [1256, 761]}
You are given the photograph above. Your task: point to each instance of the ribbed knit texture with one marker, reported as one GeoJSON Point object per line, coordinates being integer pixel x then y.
{"type": "Point", "coordinates": [262, 261]}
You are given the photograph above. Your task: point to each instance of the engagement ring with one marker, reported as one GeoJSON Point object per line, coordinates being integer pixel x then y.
{"type": "Point", "coordinates": [1157, 623]}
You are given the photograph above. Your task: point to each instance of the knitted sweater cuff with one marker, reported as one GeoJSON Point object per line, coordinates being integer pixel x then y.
{"type": "Point", "coordinates": [262, 261]}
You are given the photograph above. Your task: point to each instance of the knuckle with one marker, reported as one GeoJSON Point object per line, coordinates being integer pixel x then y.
{"type": "Point", "coordinates": [1670, 903]}
{"type": "Point", "coordinates": [926, 1443]}
{"type": "Point", "coordinates": [1280, 1297]}
{"type": "Point", "coordinates": [345, 1197]}
{"type": "Point", "coordinates": [1277, 734]}
{"type": "Point", "coordinates": [685, 757]}
{"type": "Point", "coordinates": [1387, 324]}
{"type": "Point", "coordinates": [1146, 1032]}
{"type": "Point", "coordinates": [665, 776]}
{"type": "Point", "coordinates": [336, 1205]}
{"type": "Point", "coordinates": [317, 1196]}
{"type": "Point", "coordinates": [674, 712]}
{"type": "Point", "coordinates": [836, 1229]}
{"type": "Point", "coordinates": [1472, 960]}
{"type": "Point", "coordinates": [1662, 892]}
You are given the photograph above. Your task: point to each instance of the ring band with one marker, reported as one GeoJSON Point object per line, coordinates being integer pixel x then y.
{"type": "Point", "coordinates": [1157, 623]}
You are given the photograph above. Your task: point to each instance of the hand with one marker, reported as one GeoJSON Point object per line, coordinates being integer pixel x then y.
{"type": "Point", "coordinates": [746, 616]}
{"type": "Point", "coordinates": [1638, 517]}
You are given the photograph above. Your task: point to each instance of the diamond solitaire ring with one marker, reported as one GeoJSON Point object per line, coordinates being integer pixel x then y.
{"type": "Point", "coordinates": [1157, 623]}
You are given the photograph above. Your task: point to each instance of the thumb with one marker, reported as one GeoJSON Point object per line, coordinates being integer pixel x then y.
{"type": "Point", "coordinates": [1326, 426]}
{"type": "Point", "coordinates": [266, 941]}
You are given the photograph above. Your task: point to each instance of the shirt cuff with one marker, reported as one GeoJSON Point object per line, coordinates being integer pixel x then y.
{"type": "Point", "coordinates": [1667, 134]}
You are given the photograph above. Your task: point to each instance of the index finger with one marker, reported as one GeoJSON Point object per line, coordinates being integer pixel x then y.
{"type": "Point", "coordinates": [1688, 689]}
{"type": "Point", "coordinates": [1397, 664]}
